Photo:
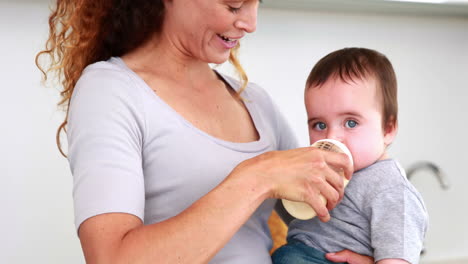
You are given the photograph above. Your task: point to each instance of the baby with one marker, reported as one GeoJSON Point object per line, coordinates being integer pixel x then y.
{"type": "Point", "coordinates": [351, 96]}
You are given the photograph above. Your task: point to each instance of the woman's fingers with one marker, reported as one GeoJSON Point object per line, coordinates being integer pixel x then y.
{"type": "Point", "coordinates": [318, 202]}
{"type": "Point", "coordinates": [322, 195]}
{"type": "Point", "coordinates": [324, 184]}
{"type": "Point", "coordinates": [334, 190]}
{"type": "Point", "coordinates": [349, 257]}
{"type": "Point", "coordinates": [340, 162]}
{"type": "Point", "coordinates": [331, 167]}
{"type": "Point", "coordinates": [303, 175]}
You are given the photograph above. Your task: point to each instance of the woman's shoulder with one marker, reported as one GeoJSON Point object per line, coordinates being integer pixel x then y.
{"type": "Point", "coordinates": [263, 107]}
{"type": "Point", "coordinates": [106, 70]}
{"type": "Point", "coordinates": [107, 84]}
{"type": "Point", "coordinates": [107, 77]}
{"type": "Point", "coordinates": [253, 92]}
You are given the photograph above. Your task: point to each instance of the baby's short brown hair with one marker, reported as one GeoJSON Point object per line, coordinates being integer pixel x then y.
{"type": "Point", "coordinates": [360, 63]}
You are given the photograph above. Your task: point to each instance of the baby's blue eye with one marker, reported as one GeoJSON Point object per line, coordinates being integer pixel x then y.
{"type": "Point", "coordinates": [351, 124]}
{"type": "Point", "coordinates": [320, 126]}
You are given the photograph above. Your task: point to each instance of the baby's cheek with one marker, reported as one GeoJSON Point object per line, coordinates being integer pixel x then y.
{"type": "Point", "coordinates": [364, 153]}
{"type": "Point", "coordinates": [363, 159]}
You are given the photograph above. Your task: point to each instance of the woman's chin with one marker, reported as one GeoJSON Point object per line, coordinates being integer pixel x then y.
{"type": "Point", "coordinates": [220, 59]}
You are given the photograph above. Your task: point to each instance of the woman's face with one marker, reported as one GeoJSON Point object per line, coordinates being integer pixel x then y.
{"type": "Point", "coordinates": [208, 29]}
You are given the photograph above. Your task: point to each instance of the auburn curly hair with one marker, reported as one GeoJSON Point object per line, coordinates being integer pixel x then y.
{"type": "Point", "coordinates": [82, 32]}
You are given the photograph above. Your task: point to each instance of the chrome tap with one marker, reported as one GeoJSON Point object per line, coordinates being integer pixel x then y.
{"type": "Point", "coordinates": [443, 181]}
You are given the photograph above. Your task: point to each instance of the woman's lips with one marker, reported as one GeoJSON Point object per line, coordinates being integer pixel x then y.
{"type": "Point", "coordinates": [228, 43]}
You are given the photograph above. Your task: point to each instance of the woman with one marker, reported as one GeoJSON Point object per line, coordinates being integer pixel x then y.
{"type": "Point", "coordinates": [173, 162]}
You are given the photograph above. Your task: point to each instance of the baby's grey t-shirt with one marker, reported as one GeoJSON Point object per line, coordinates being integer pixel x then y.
{"type": "Point", "coordinates": [381, 215]}
{"type": "Point", "coordinates": [130, 152]}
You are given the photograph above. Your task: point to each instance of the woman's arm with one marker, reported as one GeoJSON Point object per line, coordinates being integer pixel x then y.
{"type": "Point", "coordinates": [199, 232]}
{"type": "Point", "coordinates": [194, 236]}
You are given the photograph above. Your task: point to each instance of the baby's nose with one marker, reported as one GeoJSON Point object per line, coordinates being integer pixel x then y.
{"type": "Point", "coordinates": [335, 134]}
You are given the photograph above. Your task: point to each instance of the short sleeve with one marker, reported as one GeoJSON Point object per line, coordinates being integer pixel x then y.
{"type": "Point", "coordinates": [105, 135]}
{"type": "Point", "coordinates": [398, 225]}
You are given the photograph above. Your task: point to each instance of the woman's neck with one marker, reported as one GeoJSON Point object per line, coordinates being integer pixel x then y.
{"type": "Point", "coordinates": [160, 57]}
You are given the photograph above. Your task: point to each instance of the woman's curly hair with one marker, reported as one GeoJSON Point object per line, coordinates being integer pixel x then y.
{"type": "Point", "coordinates": [83, 32]}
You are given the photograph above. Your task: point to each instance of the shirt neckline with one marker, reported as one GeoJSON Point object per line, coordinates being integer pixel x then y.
{"type": "Point", "coordinates": [258, 121]}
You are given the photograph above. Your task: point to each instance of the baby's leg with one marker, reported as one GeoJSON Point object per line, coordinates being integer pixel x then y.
{"type": "Point", "coordinates": [296, 252]}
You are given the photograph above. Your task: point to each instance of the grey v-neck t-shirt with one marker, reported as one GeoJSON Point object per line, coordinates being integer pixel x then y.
{"type": "Point", "coordinates": [130, 152]}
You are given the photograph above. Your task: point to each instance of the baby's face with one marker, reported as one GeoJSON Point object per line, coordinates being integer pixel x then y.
{"type": "Point", "coordinates": [350, 113]}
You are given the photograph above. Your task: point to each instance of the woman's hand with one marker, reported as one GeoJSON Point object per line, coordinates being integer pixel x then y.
{"type": "Point", "coordinates": [349, 257]}
{"type": "Point", "coordinates": [301, 175]}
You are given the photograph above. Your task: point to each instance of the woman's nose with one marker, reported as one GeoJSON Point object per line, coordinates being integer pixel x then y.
{"type": "Point", "coordinates": [247, 21]}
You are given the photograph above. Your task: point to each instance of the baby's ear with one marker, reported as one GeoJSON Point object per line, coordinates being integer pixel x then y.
{"type": "Point", "coordinates": [390, 130]}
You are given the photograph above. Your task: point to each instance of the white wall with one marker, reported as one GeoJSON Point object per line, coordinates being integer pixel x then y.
{"type": "Point", "coordinates": [37, 217]}
{"type": "Point", "coordinates": [430, 56]}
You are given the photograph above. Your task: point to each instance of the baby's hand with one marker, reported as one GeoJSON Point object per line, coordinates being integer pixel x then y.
{"type": "Point", "coordinates": [349, 257]}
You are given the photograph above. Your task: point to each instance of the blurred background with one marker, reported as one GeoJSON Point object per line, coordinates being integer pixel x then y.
{"type": "Point", "coordinates": [427, 44]}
